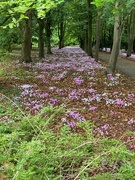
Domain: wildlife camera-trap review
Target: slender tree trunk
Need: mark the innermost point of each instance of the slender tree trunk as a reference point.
(131, 32)
(48, 32)
(98, 30)
(81, 29)
(89, 6)
(86, 39)
(26, 45)
(61, 29)
(104, 43)
(61, 32)
(134, 46)
(110, 38)
(116, 42)
(40, 38)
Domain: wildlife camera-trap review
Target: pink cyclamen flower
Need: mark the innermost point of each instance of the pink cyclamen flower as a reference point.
(92, 108)
(131, 121)
(91, 90)
(115, 93)
(71, 124)
(119, 102)
(110, 76)
(44, 95)
(78, 80)
(112, 113)
(35, 107)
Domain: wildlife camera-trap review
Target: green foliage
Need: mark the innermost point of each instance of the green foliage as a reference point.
(31, 149)
(101, 3)
(3, 56)
(21, 7)
(9, 37)
(10, 92)
(124, 7)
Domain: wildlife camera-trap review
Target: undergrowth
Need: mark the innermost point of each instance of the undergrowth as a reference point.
(31, 150)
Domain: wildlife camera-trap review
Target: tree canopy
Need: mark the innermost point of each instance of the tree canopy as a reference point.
(67, 22)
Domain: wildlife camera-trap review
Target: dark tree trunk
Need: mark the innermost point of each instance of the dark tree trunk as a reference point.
(98, 30)
(89, 7)
(134, 46)
(86, 38)
(82, 36)
(131, 32)
(26, 45)
(61, 31)
(40, 38)
(110, 38)
(48, 32)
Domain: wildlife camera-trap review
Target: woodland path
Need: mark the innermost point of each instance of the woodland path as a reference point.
(124, 65)
(70, 77)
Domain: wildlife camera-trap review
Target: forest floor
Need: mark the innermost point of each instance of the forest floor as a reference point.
(70, 77)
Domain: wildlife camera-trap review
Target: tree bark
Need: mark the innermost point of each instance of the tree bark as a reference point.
(116, 42)
(48, 32)
(61, 29)
(98, 30)
(61, 32)
(40, 38)
(26, 45)
(131, 32)
(86, 39)
(89, 8)
(110, 37)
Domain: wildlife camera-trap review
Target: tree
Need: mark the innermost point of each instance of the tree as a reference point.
(121, 10)
(116, 41)
(61, 25)
(27, 44)
(21, 10)
(89, 9)
(98, 30)
(78, 23)
(41, 24)
(131, 31)
(48, 30)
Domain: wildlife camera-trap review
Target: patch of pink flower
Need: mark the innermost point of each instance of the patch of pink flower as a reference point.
(93, 108)
(119, 102)
(78, 80)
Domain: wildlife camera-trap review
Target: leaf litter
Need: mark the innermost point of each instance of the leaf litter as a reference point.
(72, 78)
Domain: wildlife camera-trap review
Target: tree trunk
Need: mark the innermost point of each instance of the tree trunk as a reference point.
(131, 32)
(40, 38)
(89, 7)
(134, 46)
(98, 30)
(61, 32)
(110, 38)
(86, 39)
(116, 42)
(48, 32)
(26, 45)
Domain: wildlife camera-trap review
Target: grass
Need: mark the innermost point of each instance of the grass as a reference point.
(31, 150)
(41, 146)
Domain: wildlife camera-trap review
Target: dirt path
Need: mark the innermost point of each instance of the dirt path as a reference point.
(125, 65)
